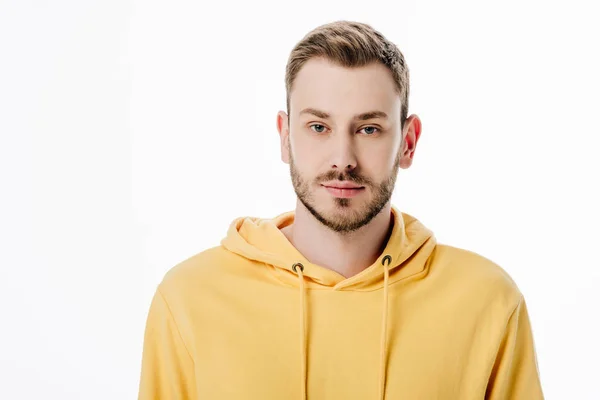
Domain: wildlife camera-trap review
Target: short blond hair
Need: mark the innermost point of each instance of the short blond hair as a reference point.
(349, 44)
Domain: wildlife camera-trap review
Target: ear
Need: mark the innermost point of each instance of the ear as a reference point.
(283, 128)
(411, 134)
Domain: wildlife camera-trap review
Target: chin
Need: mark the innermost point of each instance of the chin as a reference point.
(344, 206)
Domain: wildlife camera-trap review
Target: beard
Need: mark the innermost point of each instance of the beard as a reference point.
(345, 219)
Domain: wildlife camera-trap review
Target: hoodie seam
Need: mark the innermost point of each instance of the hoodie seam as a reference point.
(503, 338)
(172, 318)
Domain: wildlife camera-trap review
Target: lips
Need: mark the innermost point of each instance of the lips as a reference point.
(342, 185)
(343, 189)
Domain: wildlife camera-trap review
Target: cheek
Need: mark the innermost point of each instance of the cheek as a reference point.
(303, 166)
(376, 165)
(308, 161)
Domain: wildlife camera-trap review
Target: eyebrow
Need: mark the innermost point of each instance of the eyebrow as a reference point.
(359, 117)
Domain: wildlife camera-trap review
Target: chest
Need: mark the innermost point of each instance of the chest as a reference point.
(249, 349)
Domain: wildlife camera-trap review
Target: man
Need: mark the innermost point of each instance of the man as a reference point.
(346, 297)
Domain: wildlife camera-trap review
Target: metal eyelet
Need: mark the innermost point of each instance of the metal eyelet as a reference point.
(388, 258)
(298, 265)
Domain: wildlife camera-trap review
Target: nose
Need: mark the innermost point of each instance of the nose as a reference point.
(343, 153)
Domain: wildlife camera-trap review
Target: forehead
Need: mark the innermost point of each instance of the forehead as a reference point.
(343, 91)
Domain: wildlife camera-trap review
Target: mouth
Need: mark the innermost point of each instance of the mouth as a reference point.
(343, 189)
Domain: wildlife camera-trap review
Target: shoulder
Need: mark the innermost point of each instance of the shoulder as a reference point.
(194, 274)
(475, 275)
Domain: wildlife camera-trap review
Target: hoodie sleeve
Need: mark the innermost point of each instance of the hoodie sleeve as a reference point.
(515, 374)
(167, 366)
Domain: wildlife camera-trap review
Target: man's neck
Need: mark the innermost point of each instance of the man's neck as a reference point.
(346, 254)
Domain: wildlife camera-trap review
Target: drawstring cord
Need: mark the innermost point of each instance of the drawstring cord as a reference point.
(298, 268)
(382, 361)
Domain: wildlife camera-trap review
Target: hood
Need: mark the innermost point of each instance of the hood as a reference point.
(405, 256)
(258, 239)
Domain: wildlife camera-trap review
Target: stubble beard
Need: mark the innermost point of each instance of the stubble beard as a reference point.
(344, 219)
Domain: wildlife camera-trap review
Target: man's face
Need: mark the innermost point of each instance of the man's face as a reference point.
(344, 142)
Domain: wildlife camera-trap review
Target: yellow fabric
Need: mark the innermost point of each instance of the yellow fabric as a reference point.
(383, 350)
(254, 319)
(299, 268)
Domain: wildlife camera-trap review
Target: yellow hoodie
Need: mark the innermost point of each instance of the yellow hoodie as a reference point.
(254, 319)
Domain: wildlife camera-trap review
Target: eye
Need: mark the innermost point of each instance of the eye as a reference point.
(318, 128)
(369, 130)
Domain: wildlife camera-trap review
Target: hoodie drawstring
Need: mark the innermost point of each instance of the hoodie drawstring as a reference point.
(383, 350)
(298, 268)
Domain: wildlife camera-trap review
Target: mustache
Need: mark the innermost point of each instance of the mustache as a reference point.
(344, 176)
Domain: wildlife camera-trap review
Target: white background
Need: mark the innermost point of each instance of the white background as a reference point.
(133, 133)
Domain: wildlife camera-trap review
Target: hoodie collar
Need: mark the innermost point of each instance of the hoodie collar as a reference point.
(261, 240)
